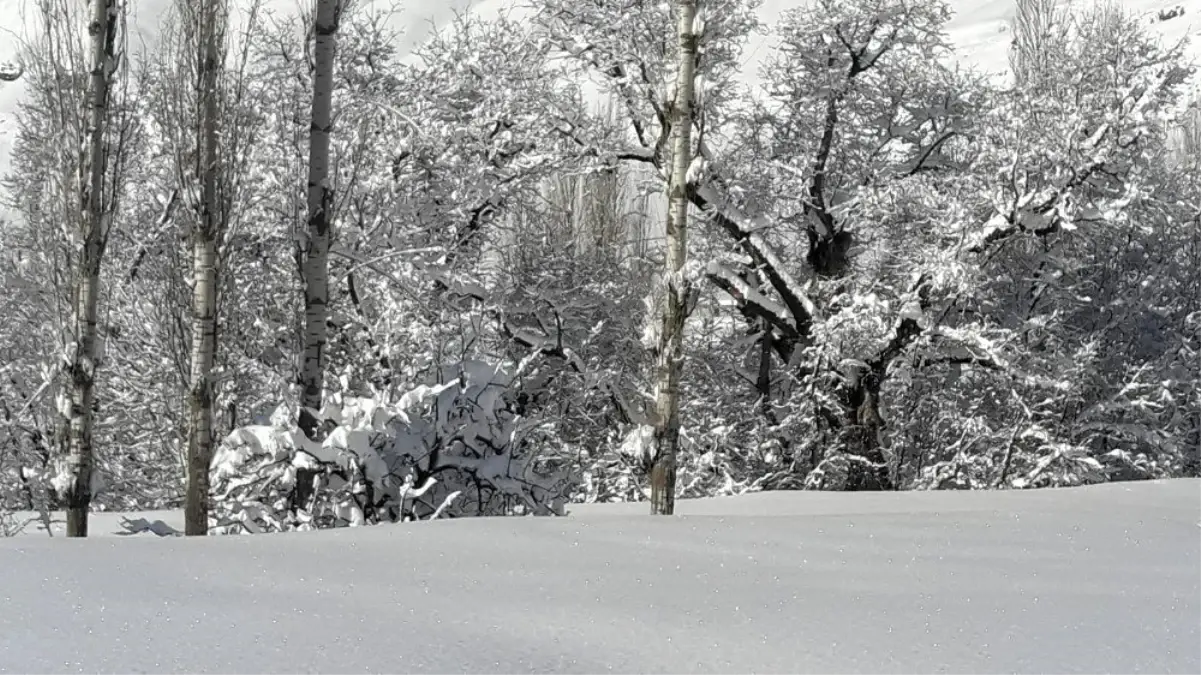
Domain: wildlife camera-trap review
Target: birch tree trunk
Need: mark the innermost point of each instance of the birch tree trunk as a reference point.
(676, 291)
(94, 222)
(315, 268)
(205, 268)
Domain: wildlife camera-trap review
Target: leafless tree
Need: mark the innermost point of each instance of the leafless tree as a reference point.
(199, 102)
(675, 287)
(206, 231)
(315, 267)
(98, 187)
(1038, 31)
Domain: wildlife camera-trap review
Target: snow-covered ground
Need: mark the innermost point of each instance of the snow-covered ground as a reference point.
(1099, 579)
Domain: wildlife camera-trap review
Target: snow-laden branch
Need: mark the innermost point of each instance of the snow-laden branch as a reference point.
(744, 230)
(762, 306)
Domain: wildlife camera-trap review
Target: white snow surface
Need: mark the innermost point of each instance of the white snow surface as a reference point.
(1097, 579)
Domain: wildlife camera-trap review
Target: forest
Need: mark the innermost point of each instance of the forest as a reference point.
(279, 274)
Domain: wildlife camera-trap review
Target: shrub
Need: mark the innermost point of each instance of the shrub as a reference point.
(452, 447)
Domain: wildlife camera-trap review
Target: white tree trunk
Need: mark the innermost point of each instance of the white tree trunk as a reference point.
(94, 228)
(676, 291)
(315, 268)
(205, 269)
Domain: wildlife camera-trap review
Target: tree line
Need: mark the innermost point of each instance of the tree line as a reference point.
(276, 272)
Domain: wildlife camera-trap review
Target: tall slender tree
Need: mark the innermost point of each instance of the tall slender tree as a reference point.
(315, 265)
(675, 285)
(98, 205)
(206, 231)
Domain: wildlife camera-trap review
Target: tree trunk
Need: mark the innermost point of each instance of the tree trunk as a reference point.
(763, 381)
(82, 373)
(315, 268)
(94, 223)
(205, 270)
(675, 287)
(862, 436)
(200, 393)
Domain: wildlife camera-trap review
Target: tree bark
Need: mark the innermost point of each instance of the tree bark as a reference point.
(675, 286)
(205, 270)
(763, 381)
(315, 266)
(94, 223)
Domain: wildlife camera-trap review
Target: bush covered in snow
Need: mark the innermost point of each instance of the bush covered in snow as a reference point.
(454, 447)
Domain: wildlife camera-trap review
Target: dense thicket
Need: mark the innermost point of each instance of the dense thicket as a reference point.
(900, 274)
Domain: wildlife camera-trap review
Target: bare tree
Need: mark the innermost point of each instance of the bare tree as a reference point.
(1039, 33)
(206, 232)
(97, 200)
(196, 96)
(675, 286)
(315, 266)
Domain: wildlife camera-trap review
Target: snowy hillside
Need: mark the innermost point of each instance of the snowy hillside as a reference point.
(981, 28)
(1099, 579)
